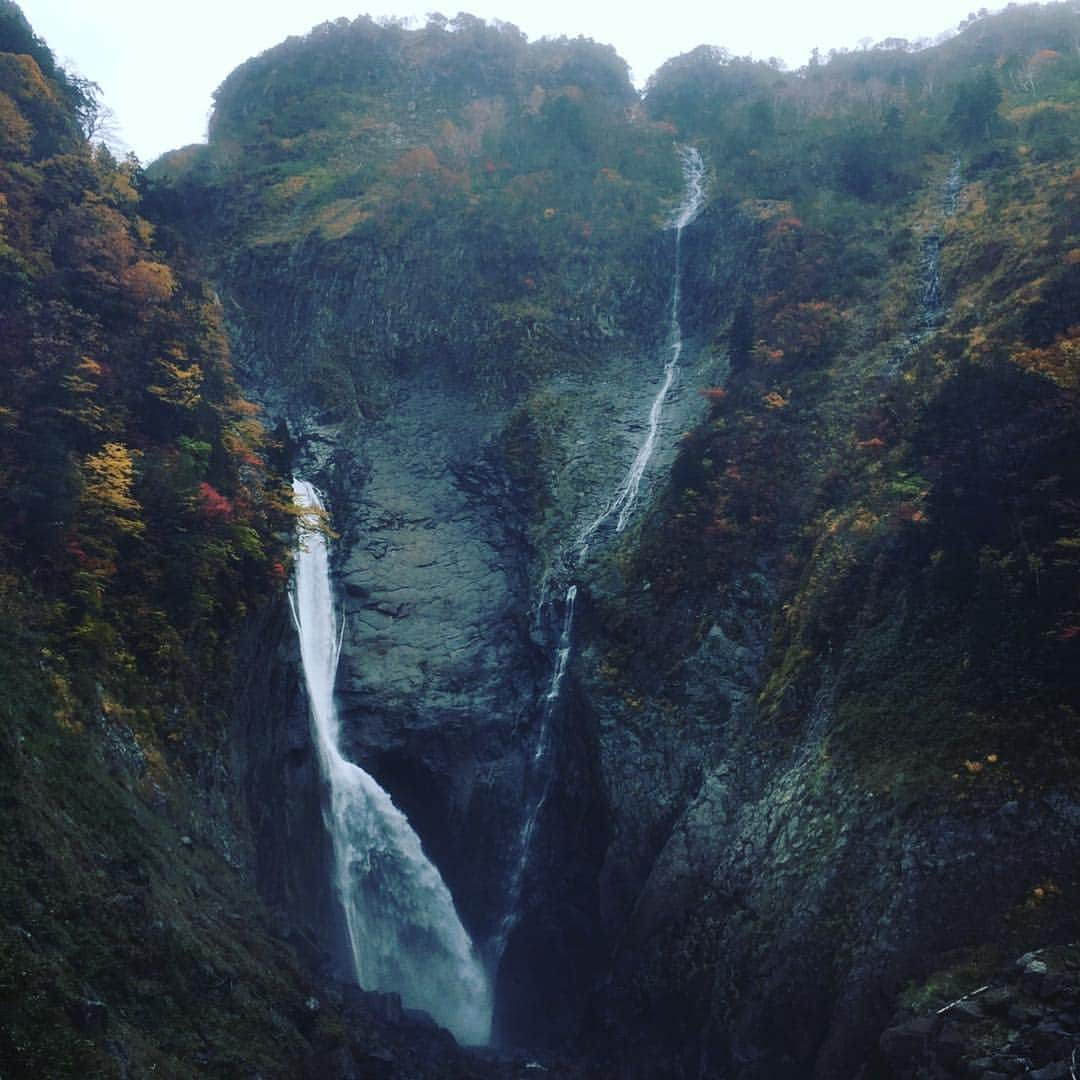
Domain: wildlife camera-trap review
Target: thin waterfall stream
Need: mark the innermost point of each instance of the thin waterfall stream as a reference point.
(623, 500)
(539, 778)
(404, 933)
(931, 310)
(540, 774)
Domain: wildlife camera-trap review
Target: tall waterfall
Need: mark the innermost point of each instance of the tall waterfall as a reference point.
(403, 930)
(540, 774)
(622, 502)
(538, 780)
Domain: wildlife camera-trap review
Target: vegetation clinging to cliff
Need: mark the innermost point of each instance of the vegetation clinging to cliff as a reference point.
(136, 491)
(141, 520)
(524, 174)
(894, 441)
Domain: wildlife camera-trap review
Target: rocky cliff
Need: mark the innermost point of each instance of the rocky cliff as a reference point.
(793, 764)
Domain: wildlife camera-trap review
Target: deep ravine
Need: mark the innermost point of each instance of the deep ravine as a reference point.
(688, 682)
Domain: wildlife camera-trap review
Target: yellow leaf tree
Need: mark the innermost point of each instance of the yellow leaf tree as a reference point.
(108, 478)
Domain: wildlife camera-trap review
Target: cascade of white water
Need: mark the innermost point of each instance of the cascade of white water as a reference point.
(931, 311)
(562, 654)
(541, 774)
(931, 296)
(538, 783)
(403, 930)
(622, 502)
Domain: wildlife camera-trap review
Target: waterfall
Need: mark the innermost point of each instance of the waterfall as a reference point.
(403, 931)
(622, 502)
(540, 774)
(931, 299)
(931, 311)
(562, 655)
(538, 780)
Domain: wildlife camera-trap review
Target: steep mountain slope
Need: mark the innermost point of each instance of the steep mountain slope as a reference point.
(848, 572)
(831, 667)
(863, 568)
(743, 782)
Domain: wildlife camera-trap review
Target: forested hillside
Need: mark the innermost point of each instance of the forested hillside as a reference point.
(458, 153)
(743, 779)
(903, 399)
(890, 463)
(141, 522)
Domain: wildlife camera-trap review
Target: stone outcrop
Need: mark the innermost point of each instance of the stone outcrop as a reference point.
(1023, 1021)
(456, 518)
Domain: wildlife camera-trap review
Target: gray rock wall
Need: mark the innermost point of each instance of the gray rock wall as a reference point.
(459, 502)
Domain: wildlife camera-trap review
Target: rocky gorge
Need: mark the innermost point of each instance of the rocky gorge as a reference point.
(767, 771)
(734, 897)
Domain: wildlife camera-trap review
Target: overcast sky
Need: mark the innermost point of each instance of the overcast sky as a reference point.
(158, 62)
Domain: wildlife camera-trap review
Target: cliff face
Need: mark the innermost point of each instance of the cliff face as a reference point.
(738, 714)
(816, 736)
(458, 506)
(144, 534)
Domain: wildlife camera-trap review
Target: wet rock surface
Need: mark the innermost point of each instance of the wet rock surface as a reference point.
(459, 514)
(1025, 1021)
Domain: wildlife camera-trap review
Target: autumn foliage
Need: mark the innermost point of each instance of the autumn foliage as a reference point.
(132, 475)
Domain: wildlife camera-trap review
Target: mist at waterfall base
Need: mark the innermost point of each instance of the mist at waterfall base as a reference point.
(403, 931)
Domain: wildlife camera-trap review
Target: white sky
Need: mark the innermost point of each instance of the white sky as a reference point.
(158, 62)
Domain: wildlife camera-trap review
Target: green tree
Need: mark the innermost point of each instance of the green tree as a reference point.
(974, 112)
